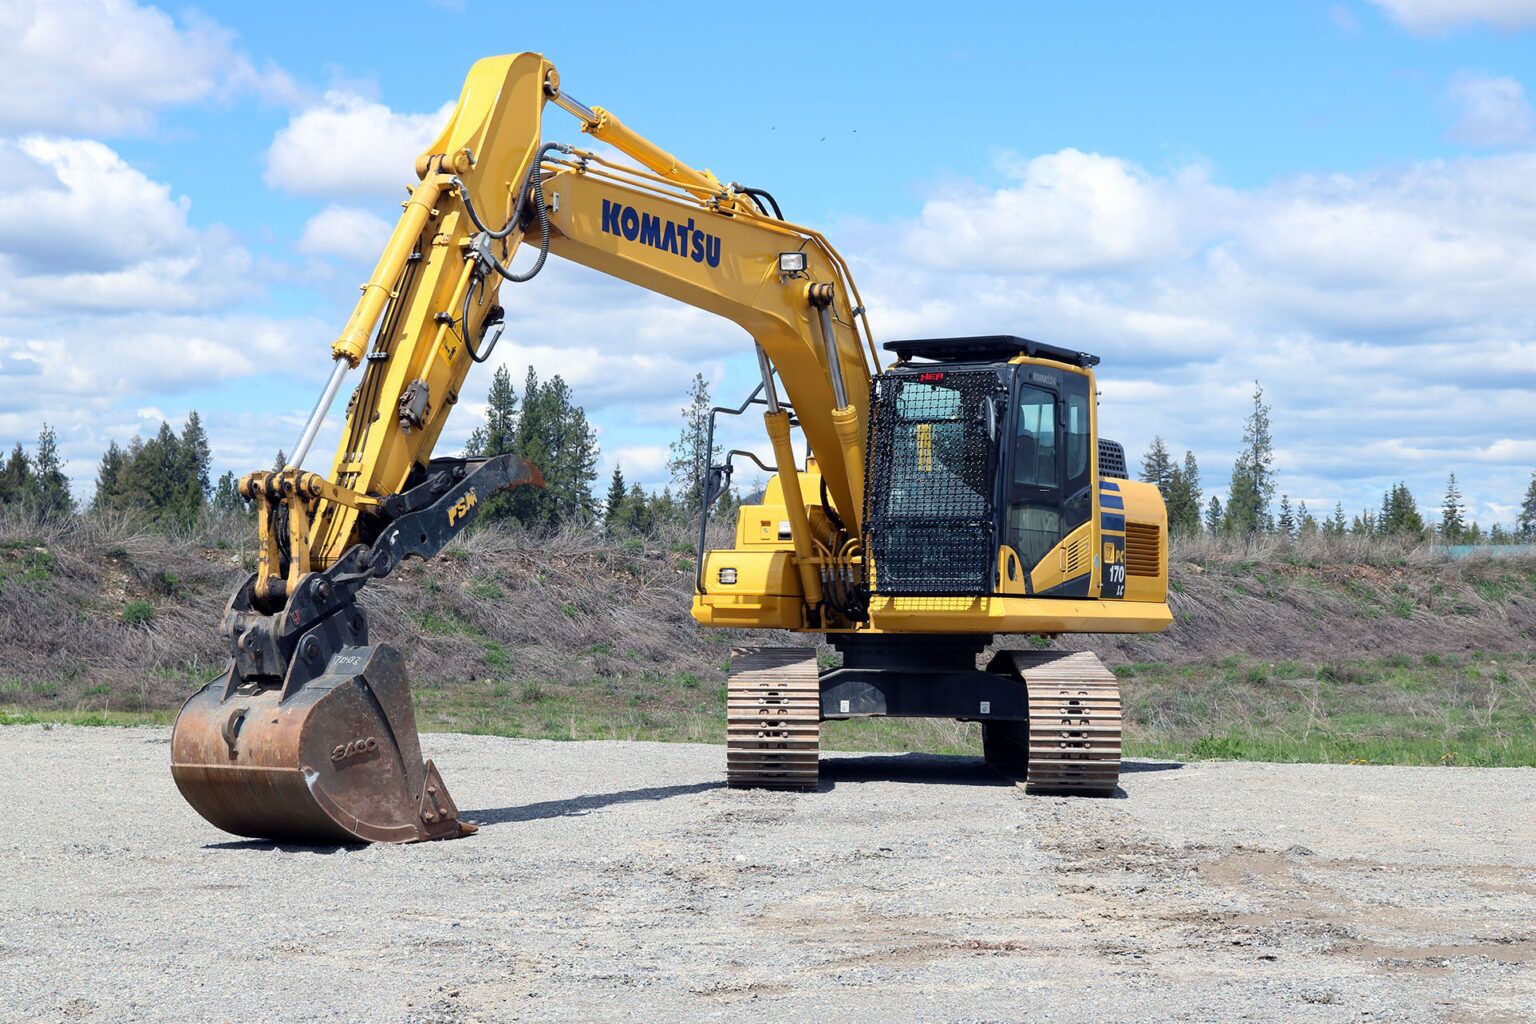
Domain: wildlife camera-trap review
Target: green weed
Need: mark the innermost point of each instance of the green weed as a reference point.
(138, 613)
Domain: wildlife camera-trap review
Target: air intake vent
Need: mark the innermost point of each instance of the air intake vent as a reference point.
(1112, 459)
(1075, 559)
(1143, 554)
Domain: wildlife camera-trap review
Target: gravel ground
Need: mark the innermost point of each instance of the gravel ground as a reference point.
(621, 881)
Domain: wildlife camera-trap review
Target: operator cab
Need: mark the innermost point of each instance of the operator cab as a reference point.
(983, 462)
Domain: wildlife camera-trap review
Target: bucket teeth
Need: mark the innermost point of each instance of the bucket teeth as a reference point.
(336, 760)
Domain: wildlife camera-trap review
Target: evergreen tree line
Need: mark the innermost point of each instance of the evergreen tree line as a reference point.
(548, 429)
(165, 479)
(1250, 509)
(545, 427)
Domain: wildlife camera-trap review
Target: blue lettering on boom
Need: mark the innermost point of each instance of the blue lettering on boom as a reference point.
(681, 239)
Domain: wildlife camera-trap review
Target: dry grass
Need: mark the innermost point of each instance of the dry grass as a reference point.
(575, 635)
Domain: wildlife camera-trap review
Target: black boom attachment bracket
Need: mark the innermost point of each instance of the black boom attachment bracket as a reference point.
(294, 644)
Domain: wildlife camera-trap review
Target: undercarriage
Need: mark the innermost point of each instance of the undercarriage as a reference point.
(1049, 719)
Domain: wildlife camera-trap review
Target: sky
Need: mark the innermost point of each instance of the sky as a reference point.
(1334, 199)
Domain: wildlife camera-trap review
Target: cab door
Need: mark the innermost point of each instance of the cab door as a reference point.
(1048, 483)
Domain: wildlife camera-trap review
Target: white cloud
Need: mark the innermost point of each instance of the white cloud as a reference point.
(1491, 111)
(1063, 211)
(1424, 16)
(111, 299)
(345, 231)
(100, 359)
(80, 205)
(112, 238)
(347, 146)
(106, 66)
(1344, 19)
(1388, 313)
(640, 463)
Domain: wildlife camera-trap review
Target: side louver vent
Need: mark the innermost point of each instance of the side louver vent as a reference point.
(1143, 554)
(1076, 559)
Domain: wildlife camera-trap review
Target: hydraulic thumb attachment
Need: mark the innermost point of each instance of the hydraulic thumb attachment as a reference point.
(310, 735)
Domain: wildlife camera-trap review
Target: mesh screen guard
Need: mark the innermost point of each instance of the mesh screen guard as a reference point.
(930, 522)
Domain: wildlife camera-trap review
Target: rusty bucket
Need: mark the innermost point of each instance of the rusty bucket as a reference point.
(336, 760)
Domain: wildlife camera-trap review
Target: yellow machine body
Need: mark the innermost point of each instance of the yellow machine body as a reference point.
(303, 680)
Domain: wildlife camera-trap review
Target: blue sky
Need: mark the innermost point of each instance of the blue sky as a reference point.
(1338, 199)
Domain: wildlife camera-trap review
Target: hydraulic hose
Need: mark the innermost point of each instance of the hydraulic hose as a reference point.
(758, 196)
(480, 251)
(522, 195)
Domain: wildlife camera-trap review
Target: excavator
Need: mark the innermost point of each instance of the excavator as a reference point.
(959, 494)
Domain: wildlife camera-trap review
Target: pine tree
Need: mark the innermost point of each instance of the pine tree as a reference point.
(1253, 476)
(1190, 498)
(107, 483)
(1287, 524)
(1400, 514)
(613, 504)
(1306, 522)
(574, 448)
(279, 461)
(150, 481)
(1496, 535)
(226, 495)
(663, 508)
(190, 487)
(1214, 516)
(1364, 524)
(498, 434)
(51, 486)
(1525, 525)
(1335, 527)
(692, 454)
(554, 435)
(1157, 466)
(1180, 489)
(16, 477)
(1453, 520)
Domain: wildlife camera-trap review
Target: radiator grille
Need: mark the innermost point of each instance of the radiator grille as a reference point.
(1143, 554)
(929, 516)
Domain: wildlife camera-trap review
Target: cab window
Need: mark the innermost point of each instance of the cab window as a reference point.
(1075, 412)
(1034, 446)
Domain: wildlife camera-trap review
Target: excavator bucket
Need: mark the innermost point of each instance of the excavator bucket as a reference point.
(334, 760)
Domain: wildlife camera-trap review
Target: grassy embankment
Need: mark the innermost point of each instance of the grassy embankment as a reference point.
(1344, 652)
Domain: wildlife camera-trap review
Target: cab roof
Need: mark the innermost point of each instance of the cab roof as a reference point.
(992, 347)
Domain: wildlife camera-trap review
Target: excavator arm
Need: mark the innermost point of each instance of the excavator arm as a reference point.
(310, 732)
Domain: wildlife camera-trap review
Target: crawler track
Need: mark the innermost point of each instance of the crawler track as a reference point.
(773, 719)
(1071, 743)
